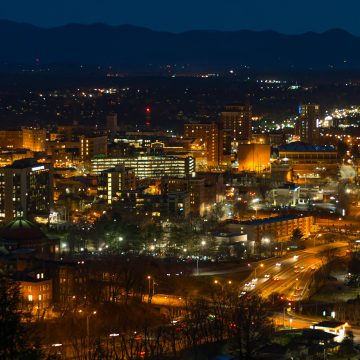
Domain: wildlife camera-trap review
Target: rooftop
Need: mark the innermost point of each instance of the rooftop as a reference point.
(270, 220)
(21, 229)
(299, 146)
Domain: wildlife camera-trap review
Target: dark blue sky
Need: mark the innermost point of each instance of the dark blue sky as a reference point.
(289, 16)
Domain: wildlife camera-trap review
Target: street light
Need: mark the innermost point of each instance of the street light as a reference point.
(261, 265)
(216, 282)
(203, 243)
(88, 315)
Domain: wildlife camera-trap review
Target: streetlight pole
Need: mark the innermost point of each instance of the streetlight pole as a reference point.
(149, 296)
(203, 243)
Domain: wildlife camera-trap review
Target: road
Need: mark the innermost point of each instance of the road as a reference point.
(291, 274)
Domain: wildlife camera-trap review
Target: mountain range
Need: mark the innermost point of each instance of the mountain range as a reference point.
(127, 46)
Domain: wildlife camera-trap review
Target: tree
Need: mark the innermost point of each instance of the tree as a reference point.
(296, 235)
(347, 345)
(16, 341)
(251, 324)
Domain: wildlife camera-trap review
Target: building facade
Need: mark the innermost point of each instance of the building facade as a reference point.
(154, 167)
(26, 189)
(237, 119)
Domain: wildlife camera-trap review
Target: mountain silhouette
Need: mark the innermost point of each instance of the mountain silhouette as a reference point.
(131, 46)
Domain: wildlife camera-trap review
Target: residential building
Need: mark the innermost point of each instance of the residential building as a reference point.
(237, 119)
(307, 123)
(26, 189)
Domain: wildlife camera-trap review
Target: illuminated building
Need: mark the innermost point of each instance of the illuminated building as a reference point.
(26, 189)
(92, 145)
(237, 119)
(148, 166)
(11, 139)
(36, 290)
(285, 195)
(138, 202)
(307, 124)
(212, 136)
(113, 180)
(254, 157)
(34, 139)
(269, 231)
(309, 161)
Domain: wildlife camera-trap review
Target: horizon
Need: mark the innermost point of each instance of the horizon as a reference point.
(177, 32)
(259, 15)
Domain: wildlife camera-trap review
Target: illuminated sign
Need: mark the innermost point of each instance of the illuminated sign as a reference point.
(37, 168)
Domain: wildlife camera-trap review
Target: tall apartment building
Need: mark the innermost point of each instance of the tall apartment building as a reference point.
(212, 135)
(91, 146)
(307, 124)
(34, 139)
(113, 180)
(148, 167)
(26, 189)
(237, 119)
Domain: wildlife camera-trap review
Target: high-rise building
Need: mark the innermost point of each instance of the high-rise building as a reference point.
(26, 189)
(113, 180)
(307, 124)
(91, 146)
(34, 139)
(111, 124)
(237, 119)
(212, 135)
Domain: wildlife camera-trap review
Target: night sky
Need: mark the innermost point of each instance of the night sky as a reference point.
(288, 16)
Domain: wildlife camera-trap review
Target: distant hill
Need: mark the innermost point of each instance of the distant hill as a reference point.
(135, 47)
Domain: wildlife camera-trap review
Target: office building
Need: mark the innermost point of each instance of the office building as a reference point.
(266, 232)
(113, 180)
(91, 146)
(237, 119)
(308, 162)
(146, 167)
(26, 189)
(307, 124)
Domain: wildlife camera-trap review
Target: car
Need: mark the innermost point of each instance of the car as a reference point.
(276, 278)
(313, 268)
(266, 276)
(296, 257)
(278, 264)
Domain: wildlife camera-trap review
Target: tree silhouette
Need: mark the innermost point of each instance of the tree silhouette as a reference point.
(16, 341)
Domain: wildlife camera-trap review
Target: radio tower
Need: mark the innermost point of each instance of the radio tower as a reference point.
(148, 117)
